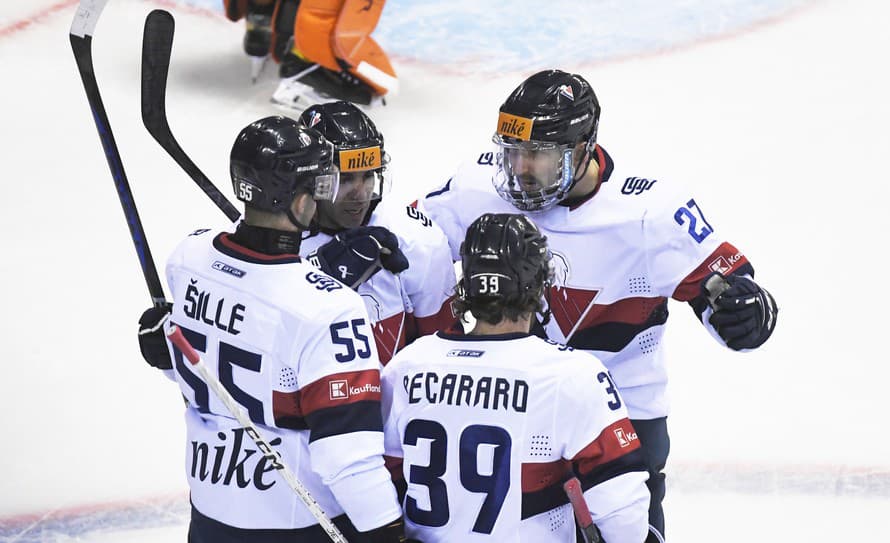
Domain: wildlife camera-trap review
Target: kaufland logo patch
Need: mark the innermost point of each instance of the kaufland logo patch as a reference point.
(339, 389)
(566, 90)
(367, 387)
(720, 265)
(314, 119)
(624, 438)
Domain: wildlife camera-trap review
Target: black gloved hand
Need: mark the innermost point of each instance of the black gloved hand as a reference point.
(744, 313)
(152, 340)
(354, 255)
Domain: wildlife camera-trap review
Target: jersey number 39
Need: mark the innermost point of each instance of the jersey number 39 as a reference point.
(493, 481)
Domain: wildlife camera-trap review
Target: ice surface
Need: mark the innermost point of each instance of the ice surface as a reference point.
(776, 113)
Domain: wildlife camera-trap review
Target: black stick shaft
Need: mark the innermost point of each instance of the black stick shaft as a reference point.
(81, 45)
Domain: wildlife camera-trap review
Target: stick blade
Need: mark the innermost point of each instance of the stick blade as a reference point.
(157, 46)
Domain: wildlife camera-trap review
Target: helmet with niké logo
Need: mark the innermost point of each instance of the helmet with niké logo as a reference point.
(275, 158)
(359, 153)
(546, 133)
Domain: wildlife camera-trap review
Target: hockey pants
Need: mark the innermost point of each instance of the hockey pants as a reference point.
(204, 529)
(656, 443)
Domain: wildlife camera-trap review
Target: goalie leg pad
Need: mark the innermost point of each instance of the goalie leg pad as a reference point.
(313, 28)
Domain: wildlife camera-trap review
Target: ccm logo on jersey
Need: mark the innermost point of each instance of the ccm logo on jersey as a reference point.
(465, 352)
(724, 264)
(223, 267)
(625, 438)
(636, 185)
(340, 389)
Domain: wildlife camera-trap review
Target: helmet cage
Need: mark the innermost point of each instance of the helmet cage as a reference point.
(515, 189)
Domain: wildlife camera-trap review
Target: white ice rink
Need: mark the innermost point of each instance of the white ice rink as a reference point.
(777, 113)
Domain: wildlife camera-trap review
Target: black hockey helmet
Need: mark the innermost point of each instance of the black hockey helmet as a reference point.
(274, 158)
(358, 143)
(547, 116)
(504, 256)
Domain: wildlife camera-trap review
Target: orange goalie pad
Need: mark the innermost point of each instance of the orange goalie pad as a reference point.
(352, 42)
(326, 30)
(313, 29)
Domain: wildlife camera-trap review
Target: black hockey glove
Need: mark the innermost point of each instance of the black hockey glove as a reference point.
(152, 340)
(355, 255)
(744, 313)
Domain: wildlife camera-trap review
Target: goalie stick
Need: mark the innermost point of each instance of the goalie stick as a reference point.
(81, 34)
(157, 45)
(175, 335)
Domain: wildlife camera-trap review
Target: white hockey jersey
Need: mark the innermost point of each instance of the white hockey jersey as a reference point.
(618, 257)
(487, 428)
(417, 301)
(293, 347)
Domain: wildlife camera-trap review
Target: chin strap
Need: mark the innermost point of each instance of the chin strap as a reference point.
(294, 221)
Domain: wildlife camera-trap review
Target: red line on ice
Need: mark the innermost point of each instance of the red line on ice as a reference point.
(28, 20)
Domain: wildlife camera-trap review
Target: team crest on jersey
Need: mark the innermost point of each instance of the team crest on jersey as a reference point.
(569, 306)
(231, 270)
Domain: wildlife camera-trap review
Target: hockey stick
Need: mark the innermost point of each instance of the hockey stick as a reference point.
(272, 455)
(81, 34)
(157, 45)
(582, 513)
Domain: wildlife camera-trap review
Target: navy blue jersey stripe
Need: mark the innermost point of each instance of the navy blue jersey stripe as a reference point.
(627, 463)
(615, 336)
(541, 501)
(443, 190)
(291, 423)
(343, 419)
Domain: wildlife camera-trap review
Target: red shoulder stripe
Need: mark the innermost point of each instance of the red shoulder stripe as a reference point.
(616, 440)
(725, 260)
(340, 389)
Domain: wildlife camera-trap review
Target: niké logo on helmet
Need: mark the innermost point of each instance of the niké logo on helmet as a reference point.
(352, 160)
(514, 127)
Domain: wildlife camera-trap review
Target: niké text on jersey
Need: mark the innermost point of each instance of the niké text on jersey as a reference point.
(456, 389)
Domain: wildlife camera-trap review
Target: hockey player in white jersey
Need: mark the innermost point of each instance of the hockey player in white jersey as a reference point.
(405, 300)
(485, 427)
(292, 345)
(623, 241)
